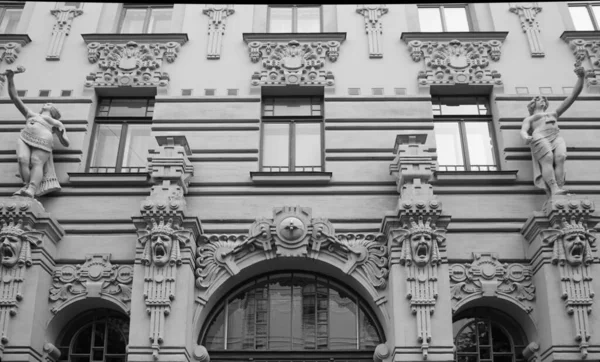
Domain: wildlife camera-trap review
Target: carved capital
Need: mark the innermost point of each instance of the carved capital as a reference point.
(527, 13)
(413, 166)
(218, 15)
(487, 276)
(373, 27)
(169, 167)
(96, 278)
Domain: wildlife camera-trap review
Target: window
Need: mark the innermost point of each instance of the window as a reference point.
(10, 14)
(295, 19)
(292, 134)
(146, 18)
(444, 18)
(101, 336)
(585, 16)
(463, 133)
(122, 135)
(292, 312)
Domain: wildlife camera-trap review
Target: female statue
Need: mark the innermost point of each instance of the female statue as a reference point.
(34, 146)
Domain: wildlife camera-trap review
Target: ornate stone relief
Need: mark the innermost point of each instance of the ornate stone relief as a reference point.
(96, 278)
(487, 276)
(456, 61)
(10, 47)
(586, 49)
(163, 230)
(293, 233)
(293, 62)
(527, 13)
(372, 15)
(24, 224)
(60, 31)
(216, 28)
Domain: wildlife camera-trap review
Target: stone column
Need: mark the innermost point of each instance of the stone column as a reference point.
(560, 245)
(419, 286)
(28, 241)
(62, 28)
(163, 282)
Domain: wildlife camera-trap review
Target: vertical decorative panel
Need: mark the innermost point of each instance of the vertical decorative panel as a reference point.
(372, 14)
(62, 28)
(527, 15)
(216, 28)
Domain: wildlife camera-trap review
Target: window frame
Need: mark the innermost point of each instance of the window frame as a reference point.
(148, 8)
(588, 6)
(11, 5)
(292, 121)
(441, 7)
(124, 122)
(461, 119)
(294, 16)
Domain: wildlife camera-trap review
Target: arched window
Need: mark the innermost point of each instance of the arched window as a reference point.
(99, 336)
(292, 312)
(486, 335)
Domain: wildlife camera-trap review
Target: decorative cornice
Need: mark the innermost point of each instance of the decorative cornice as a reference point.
(21, 39)
(586, 46)
(142, 38)
(286, 37)
(469, 36)
(590, 35)
(303, 178)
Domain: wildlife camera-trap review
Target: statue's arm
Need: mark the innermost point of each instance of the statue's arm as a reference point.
(576, 91)
(525, 129)
(12, 93)
(60, 130)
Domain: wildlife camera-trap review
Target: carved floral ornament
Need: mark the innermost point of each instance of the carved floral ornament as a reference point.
(293, 63)
(292, 233)
(456, 61)
(588, 49)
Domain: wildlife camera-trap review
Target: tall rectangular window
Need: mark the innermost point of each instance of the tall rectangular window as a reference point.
(139, 18)
(585, 16)
(463, 133)
(292, 134)
(10, 14)
(440, 18)
(122, 135)
(295, 19)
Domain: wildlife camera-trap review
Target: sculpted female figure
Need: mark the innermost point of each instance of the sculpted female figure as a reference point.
(549, 151)
(34, 146)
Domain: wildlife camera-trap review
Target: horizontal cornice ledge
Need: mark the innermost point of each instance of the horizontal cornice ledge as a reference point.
(20, 39)
(569, 35)
(474, 177)
(287, 178)
(301, 37)
(109, 179)
(451, 35)
(143, 38)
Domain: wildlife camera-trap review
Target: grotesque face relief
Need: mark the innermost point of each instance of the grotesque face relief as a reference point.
(161, 245)
(10, 249)
(574, 244)
(420, 244)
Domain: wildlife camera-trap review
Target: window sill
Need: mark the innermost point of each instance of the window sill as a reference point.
(279, 37)
(287, 178)
(105, 179)
(474, 177)
(102, 38)
(21, 39)
(451, 35)
(570, 35)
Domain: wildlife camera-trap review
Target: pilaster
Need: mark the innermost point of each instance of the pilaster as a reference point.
(60, 31)
(218, 15)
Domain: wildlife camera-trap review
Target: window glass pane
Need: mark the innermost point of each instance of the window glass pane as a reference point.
(342, 321)
(430, 19)
(73, 4)
(479, 142)
(298, 314)
(160, 21)
(133, 22)
(84, 341)
(449, 148)
(280, 315)
(117, 340)
(128, 108)
(106, 146)
(466, 341)
(581, 18)
(99, 335)
(215, 337)
(276, 144)
(280, 20)
(500, 341)
(456, 19)
(596, 11)
(309, 19)
(309, 310)
(308, 145)
(137, 144)
(292, 106)
(369, 339)
(10, 21)
(240, 323)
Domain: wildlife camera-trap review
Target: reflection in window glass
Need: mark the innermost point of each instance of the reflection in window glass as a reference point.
(137, 144)
(160, 21)
(10, 21)
(106, 147)
(342, 327)
(479, 143)
(103, 340)
(581, 18)
(216, 337)
(276, 138)
(449, 150)
(430, 19)
(127, 108)
(280, 20)
(309, 19)
(292, 106)
(456, 19)
(479, 339)
(133, 21)
(459, 109)
(308, 144)
(368, 331)
(280, 315)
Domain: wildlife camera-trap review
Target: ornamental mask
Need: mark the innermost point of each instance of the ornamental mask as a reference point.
(14, 243)
(420, 242)
(571, 242)
(162, 242)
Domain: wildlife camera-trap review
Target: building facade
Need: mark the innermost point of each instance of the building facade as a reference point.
(219, 182)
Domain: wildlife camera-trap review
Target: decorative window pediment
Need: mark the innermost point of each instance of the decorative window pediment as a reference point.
(131, 60)
(586, 46)
(456, 57)
(293, 58)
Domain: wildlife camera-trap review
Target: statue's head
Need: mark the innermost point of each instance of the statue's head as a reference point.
(420, 242)
(537, 102)
(14, 243)
(50, 108)
(162, 241)
(571, 242)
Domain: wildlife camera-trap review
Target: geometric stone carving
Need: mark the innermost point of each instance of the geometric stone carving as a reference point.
(292, 233)
(457, 62)
(372, 15)
(413, 166)
(171, 163)
(62, 28)
(486, 276)
(96, 278)
(10, 47)
(527, 13)
(587, 48)
(216, 28)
